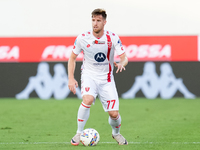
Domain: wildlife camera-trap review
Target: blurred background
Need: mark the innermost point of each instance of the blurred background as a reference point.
(127, 17)
(161, 38)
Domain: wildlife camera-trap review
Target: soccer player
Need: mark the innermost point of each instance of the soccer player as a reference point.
(98, 46)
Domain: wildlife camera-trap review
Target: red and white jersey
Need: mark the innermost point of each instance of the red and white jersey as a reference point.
(98, 61)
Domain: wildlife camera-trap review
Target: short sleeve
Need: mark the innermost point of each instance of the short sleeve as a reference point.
(77, 46)
(118, 45)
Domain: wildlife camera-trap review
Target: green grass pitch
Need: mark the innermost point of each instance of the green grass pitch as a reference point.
(158, 124)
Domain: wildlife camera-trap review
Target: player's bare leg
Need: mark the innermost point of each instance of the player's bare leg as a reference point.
(115, 122)
(83, 115)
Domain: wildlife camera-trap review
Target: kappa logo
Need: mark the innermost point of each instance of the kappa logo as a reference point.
(100, 57)
(87, 89)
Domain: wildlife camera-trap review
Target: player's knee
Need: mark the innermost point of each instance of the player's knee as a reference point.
(113, 114)
(88, 99)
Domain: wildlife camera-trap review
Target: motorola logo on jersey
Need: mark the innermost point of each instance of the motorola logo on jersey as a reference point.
(100, 57)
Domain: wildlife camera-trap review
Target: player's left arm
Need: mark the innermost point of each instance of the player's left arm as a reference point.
(123, 62)
(121, 52)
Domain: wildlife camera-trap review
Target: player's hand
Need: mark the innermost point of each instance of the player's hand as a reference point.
(72, 84)
(119, 67)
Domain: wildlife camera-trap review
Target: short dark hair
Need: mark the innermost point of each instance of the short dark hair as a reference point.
(99, 11)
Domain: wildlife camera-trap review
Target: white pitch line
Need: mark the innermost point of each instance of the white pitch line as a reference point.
(23, 143)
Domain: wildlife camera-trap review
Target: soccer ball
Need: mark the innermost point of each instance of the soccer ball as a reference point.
(89, 137)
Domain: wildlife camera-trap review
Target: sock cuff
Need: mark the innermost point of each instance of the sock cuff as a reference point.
(86, 106)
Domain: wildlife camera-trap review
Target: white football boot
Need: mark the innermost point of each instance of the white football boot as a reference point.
(120, 139)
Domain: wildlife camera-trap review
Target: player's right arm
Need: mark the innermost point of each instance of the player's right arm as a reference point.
(72, 83)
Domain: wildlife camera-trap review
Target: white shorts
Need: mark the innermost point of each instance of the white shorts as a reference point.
(106, 91)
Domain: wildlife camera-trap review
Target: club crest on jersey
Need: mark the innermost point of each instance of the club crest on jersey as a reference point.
(87, 89)
(100, 57)
(98, 42)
